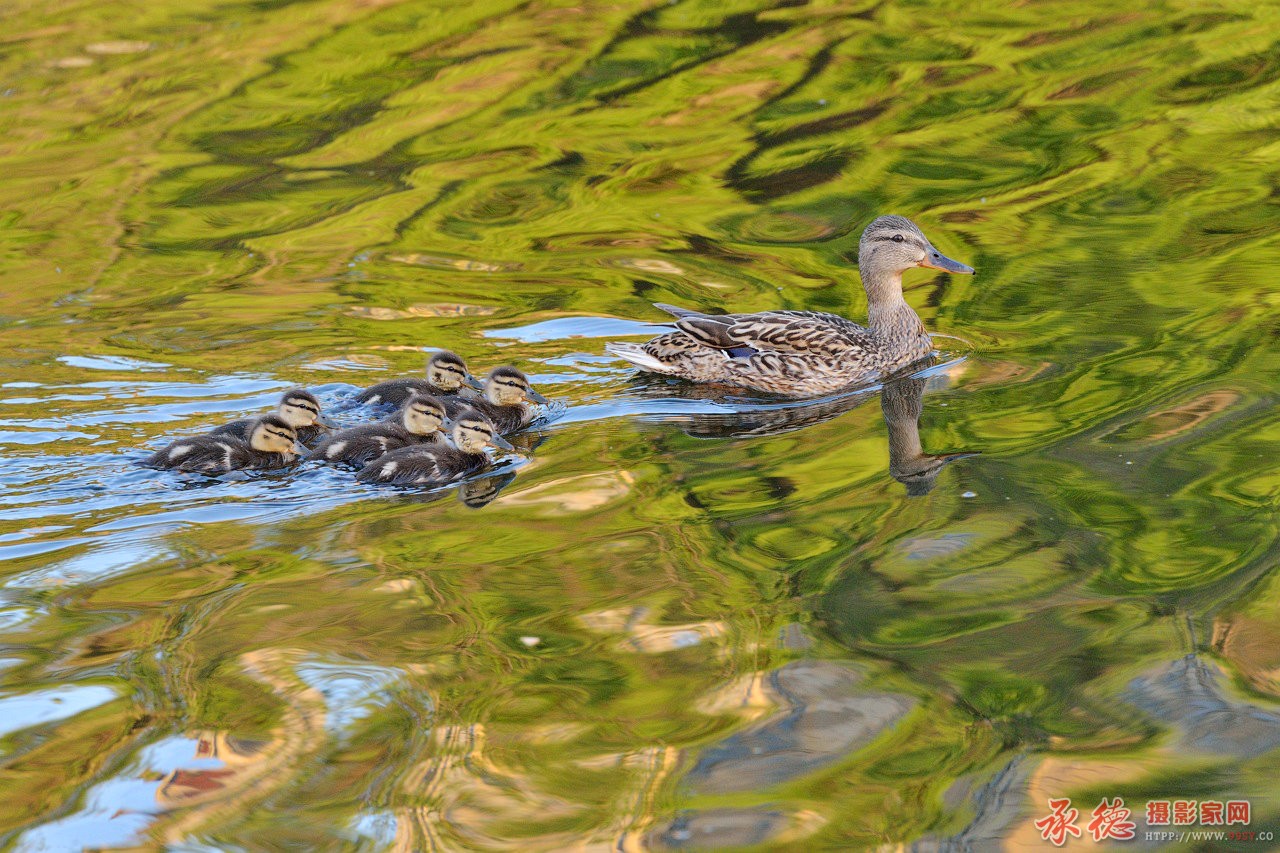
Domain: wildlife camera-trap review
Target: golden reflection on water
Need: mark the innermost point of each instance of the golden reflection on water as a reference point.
(1042, 567)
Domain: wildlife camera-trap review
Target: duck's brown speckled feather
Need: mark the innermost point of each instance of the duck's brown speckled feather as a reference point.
(792, 353)
(783, 332)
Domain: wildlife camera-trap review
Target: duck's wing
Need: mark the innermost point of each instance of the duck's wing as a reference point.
(784, 332)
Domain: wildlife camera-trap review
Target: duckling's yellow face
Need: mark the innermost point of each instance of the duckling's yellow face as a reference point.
(300, 411)
(422, 418)
(473, 435)
(507, 386)
(447, 372)
(504, 392)
(273, 435)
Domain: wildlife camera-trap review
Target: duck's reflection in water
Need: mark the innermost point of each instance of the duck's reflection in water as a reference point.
(481, 492)
(901, 402)
(475, 493)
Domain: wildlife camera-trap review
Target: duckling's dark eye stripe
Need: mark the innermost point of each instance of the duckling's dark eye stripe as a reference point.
(302, 404)
(278, 434)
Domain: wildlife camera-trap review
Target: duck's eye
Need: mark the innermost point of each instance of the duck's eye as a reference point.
(897, 238)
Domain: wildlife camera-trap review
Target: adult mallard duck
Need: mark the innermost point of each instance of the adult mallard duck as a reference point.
(447, 376)
(298, 407)
(805, 353)
(270, 444)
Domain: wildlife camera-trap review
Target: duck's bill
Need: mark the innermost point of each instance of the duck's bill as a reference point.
(472, 382)
(501, 443)
(327, 423)
(935, 260)
(535, 396)
(301, 451)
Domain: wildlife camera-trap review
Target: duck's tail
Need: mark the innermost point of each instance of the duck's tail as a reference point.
(635, 354)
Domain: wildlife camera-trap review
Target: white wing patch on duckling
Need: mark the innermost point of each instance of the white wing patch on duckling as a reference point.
(387, 470)
(335, 450)
(180, 450)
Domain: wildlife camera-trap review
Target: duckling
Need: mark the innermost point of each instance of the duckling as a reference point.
(806, 353)
(271, 444)
(438, 464)
(299, 408)
(507, 395)
(421, 421)
(447, 376)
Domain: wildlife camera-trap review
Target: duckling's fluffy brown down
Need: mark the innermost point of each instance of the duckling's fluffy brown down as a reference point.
(215, 454)
(361, 445)
(423, 465)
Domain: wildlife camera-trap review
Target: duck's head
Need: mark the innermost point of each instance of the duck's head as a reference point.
(472, 433)
(448, 372)
(894, 244)
(300, 408)
(506, 386)
(423, 415)
(920, 473)
(273, 434)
